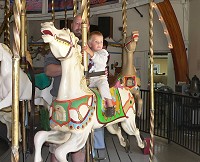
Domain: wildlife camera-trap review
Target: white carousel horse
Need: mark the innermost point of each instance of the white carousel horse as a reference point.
(42, 97)
(25, 85)
(77, 110)
(6, 118)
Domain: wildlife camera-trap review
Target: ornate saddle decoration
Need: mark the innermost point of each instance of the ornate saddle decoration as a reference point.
(68, 112)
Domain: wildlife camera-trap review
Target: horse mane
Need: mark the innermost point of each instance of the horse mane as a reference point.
(78, 54)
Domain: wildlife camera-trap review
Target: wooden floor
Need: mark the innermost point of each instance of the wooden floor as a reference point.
(164, 152)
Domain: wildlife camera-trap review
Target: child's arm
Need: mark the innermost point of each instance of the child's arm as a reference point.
(88, 50)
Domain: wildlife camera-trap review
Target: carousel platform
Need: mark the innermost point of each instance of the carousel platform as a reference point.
(114, 152)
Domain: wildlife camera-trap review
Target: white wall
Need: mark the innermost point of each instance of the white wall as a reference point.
(194, 37)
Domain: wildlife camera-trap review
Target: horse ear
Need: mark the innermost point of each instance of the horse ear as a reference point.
(68, 30)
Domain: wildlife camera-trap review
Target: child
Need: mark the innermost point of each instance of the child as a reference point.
(99, 57)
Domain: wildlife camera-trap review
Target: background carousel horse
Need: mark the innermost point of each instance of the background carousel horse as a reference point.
(77, 110)
(42, 95)
(129, 71)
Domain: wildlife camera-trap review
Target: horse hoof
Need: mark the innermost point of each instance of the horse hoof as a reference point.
(145, 143)
(127, 147)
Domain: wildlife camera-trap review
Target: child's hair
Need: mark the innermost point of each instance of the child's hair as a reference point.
(94, 33)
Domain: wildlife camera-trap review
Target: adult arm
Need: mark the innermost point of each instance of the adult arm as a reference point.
(53, 70)
(52, 66)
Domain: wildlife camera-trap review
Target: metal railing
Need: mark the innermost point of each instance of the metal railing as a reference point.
(177, 118)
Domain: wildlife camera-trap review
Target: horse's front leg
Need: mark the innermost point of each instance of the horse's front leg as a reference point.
(39, 139)
(8, 125)
(74, 144)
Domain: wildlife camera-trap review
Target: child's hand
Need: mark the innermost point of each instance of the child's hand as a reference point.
(88, 50)
(84, 48)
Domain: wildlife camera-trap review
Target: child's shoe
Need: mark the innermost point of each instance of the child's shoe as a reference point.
(110, 111)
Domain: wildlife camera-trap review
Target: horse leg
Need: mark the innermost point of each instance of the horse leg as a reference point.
(39, 139)
(130, 128)
(115, 129)
(74, 144)
(6, 119)
(8, 126)
(136, 94)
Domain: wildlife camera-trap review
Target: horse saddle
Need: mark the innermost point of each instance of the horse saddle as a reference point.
(100, 106)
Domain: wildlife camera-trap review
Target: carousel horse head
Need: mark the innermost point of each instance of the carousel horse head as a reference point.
(61, 42)
(130, 43)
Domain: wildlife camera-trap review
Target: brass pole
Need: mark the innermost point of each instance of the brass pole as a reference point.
(15, 82)
(65, 13)
(15, 110)
(53, 11)
(124, 27)
(88, 9)
(22, 49)
(152, 80)
(84, 14)
(75, 8)
(7, 25)
(23, 66)
(3, 24)
(23, 128)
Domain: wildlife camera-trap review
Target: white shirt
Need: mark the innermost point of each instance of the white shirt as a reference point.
(99, 59)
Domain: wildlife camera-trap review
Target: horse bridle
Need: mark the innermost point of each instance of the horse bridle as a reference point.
(66, 42)
(125, 44)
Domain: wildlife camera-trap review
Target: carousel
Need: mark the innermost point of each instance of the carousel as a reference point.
(78, 110)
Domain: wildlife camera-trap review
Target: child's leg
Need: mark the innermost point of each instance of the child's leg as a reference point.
(104, 90)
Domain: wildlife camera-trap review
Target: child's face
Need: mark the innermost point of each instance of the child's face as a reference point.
(96, 43)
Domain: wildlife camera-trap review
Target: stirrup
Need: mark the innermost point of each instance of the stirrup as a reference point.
(110, 111)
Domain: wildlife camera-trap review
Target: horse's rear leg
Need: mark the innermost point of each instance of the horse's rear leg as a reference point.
(130, 128)
(115, 129)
